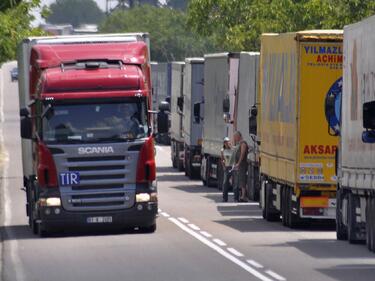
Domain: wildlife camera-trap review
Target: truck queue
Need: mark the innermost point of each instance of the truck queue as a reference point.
(305, 105)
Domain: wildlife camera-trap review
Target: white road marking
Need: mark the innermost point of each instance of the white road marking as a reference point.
(183, 220)
(275, 275)
(206, 234)
(235, 252)
(165, 214)
(255, 264)
(222, 252)
(193, 226)
(219, 242)
(159, 210)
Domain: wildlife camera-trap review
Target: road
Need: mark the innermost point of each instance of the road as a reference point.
(198, 237)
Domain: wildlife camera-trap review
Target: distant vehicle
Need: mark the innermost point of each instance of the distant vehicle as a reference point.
(14, 74)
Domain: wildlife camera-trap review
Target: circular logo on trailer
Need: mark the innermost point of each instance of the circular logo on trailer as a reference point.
(333, 106)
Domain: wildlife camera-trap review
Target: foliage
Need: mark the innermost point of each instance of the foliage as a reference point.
(15, 25)
(75, 12)
(170, 38)
(6, 4)
(237, 25)
(177, 4)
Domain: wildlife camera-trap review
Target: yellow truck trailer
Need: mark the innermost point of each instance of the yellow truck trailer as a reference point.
(299, 72)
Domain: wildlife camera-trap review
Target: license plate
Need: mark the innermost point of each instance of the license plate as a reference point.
(99, 220)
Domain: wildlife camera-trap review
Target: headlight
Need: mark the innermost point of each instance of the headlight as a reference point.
(50, 202)
(142, 197)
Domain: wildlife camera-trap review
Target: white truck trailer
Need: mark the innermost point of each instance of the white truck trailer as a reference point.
(220, 88)
(161, 73)
(193, 115)
(248, 88)
(177, 106)
(356, 157)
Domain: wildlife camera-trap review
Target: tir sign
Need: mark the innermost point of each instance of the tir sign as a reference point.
(69, 178)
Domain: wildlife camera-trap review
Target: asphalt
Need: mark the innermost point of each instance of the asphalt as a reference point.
(198, 237)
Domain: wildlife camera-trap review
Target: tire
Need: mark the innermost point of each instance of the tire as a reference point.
(187, 164)
(341, 230)
(220, 177)
(269, 213)
(284, 206)
(252, 183)
(352, 237)
(210, 181)
(148, 229)
(204, 175)
(294, 220)
(42, 231)
(369, 226)
(372, 224)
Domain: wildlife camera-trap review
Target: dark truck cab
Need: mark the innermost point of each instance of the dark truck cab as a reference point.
(92, 144)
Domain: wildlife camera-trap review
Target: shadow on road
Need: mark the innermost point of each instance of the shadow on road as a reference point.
(329, 249)
(23, 232)
(350, 272)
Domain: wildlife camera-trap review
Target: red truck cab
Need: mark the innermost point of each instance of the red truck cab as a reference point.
(92, 145)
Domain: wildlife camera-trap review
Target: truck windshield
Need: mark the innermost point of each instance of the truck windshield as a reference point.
(97, 122)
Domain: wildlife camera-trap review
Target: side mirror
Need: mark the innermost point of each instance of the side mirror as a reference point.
(24, 112)
(368, 136)
(253, 112)
(162, 122)
(197, 113)
(164, 106)
(369, 115)
(226, 105)
(180, 103)
(26, 128)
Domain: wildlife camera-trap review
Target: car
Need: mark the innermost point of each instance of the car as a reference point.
(14, 74)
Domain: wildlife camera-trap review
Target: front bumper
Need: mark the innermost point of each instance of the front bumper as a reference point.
(140, 215)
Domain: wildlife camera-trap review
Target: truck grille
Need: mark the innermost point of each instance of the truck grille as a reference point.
(99, 199)
(105, 182)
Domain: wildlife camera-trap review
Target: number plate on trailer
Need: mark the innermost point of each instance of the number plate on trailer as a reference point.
(99, 220)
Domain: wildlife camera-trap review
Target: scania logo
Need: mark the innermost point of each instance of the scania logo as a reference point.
(95, 150)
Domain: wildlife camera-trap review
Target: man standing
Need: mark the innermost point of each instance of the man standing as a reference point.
(240, 166)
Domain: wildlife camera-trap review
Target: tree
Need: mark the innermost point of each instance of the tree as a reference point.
(170, 38)
(177, 4)
(75, 12)
(15, 22)
(237, 25)
(6, 4)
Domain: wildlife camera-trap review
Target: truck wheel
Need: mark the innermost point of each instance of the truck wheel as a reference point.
(284, 206)
(341, 231)
(42, 230)
(352, 234)
(293, 219)
(187, 164)
(369, 228)
(220, 177)
(269, 213)
(203, 171)
(252, 184)
(372, 224)
(208, 168)
(149, 229)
